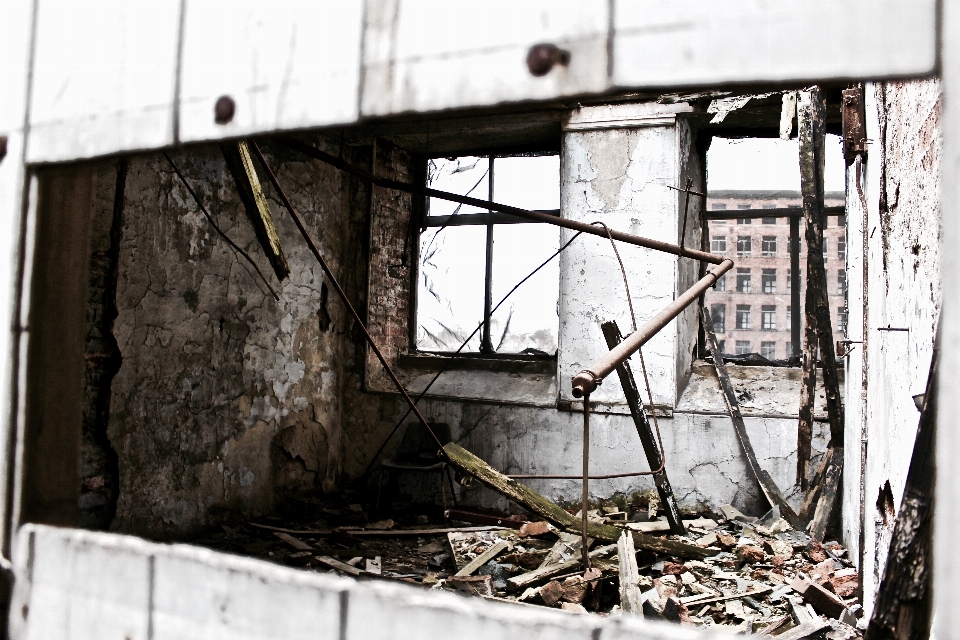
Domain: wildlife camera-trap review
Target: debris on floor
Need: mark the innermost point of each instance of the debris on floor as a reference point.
(764, 577)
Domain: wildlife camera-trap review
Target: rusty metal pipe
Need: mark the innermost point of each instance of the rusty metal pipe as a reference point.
(587, 380)
(536, 216)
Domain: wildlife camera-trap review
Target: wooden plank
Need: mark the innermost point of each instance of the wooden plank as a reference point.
(343, 567)
(770, 490)
(483, 558)
(670, 43)
(299, 545)
(663, 525)
(698, 600)
(240, 164)
(904, 601)
(631, 601)
(611, 332)
(530, 499)
(543, 573)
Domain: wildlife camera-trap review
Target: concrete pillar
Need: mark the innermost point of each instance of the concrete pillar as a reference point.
(618, 164)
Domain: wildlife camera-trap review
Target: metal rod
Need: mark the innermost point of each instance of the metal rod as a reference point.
(583, 227)
(481, 219)
(584, 547)
(340, 291)
(588, 379)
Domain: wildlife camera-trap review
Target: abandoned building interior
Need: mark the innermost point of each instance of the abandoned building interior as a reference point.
(539, 352)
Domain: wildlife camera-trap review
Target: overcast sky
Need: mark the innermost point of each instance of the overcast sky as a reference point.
(767, 163)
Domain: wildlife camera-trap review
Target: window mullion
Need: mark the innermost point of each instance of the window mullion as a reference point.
(486, 345)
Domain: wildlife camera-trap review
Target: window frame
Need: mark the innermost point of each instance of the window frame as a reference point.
(426, 221)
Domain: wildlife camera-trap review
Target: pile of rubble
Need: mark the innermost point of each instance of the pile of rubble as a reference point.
(754, 575)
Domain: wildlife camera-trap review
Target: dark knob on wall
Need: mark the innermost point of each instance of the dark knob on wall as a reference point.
(224, 109)
(543, 57)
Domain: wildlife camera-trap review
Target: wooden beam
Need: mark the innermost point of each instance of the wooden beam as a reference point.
(611, 332)
(631, 601)
(812, 135)
(240, 164)
(770, 489)
(530, 499)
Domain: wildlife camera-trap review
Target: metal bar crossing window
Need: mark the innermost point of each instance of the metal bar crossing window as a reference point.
(470, 258)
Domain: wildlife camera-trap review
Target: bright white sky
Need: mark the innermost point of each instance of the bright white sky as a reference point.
(767, 163)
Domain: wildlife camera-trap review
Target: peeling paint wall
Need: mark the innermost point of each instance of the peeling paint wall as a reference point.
(901, 185)
(226, 399)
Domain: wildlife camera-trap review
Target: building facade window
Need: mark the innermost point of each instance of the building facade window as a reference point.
(768, 220)
(768, 317)
(718, 207)
(743, 347)
(722, 344)
(842, 282)
(768, 280)
(842, 320)
(768, 350)
(743, 279)
(789, 323)
(718, 244)
(718, 313)
(721, 283)
(768, 247)
(826, 249)
(743, 316)
(842, 248)
(744, 245)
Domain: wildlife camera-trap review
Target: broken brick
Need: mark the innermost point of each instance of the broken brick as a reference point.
(551, 593)
(750, 554)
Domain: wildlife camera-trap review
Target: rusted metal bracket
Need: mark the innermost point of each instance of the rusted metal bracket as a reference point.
(611, 332)
(770, 489)
(854, 123)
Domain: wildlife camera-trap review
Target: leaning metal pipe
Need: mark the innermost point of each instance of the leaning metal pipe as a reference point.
(536, 216)
(587, 380)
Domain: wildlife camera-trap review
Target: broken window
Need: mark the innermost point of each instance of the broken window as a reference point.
(718, 244)
(718, 313)
(768, 247)
(768, 317)
(471, 258)
(743, 316)
(743, 246)
(743, 280)
(768, 350)
(743, 347)
(768, 279)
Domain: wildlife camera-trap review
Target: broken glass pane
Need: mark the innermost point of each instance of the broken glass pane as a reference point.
(450, 287)
(527, 321)
(466, 176)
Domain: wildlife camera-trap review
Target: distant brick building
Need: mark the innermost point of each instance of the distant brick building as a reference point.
(751, 304)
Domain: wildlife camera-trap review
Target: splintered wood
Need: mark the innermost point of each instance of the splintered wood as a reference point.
(530, 499)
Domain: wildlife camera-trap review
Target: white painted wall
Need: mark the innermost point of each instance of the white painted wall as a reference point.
(82, 585)
(900, 182)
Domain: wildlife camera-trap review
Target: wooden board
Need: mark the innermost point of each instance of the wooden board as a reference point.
(527, 497)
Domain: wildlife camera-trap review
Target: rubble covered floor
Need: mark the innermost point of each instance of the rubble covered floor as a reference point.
(764, 578)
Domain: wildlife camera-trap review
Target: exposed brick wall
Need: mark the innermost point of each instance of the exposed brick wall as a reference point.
(391, 257)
